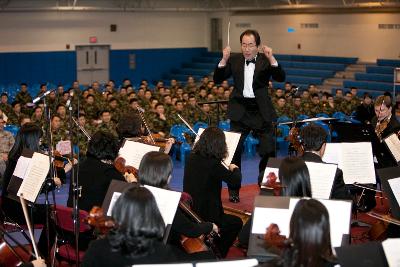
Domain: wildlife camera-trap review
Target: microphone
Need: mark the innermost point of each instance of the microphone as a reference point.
(37, 99)
(71, 95)
(294, 91)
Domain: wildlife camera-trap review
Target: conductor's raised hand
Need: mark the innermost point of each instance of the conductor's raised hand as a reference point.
(268, 53)
(226, 53)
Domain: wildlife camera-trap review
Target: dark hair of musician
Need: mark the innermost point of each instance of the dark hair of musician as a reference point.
(155, 169)
(251, 32)
(383, 99)
(129, 125)
(211, 144)
(139, 223)
(313, 137)
(294, 177)
(27, 137)
(310, 234)
(103, 146)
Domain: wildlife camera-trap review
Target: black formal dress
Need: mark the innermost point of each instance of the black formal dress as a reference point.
(100, 254)
(339, 190)
(203, 181)
(94, 176)
(251, 114)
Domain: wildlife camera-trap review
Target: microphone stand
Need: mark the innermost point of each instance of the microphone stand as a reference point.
(75, 188)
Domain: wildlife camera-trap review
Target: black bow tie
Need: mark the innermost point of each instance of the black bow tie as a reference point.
(251, 61)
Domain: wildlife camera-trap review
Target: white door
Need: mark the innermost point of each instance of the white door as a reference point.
(92, 63)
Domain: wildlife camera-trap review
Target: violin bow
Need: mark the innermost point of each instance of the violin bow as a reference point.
(145, 124)
(28, 223)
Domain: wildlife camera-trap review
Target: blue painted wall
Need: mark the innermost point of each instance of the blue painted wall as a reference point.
(60, 67)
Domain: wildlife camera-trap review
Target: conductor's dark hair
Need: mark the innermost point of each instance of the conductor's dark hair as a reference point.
(103, 146)
(155, 169)
(27, 137)
(310, 234)
(139, 223)
(294, 177)
(251, 32)
(211, 144)
(313, 137)
(129, 125)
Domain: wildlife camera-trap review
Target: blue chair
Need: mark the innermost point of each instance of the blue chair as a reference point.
(184, 149)
(178, 131)
(250, 145)
(12, 129)
(199, 125)
(283, 119)
(224, 125)
(340, 116)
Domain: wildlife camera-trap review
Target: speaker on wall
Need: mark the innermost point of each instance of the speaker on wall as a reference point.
(113, 27)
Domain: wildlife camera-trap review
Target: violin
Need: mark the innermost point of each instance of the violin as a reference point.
(273, 185)
(99, 221)
(294, 139)
(198, 244)
(273, 237)
(381, 126)
(126, 170)
(10, 257)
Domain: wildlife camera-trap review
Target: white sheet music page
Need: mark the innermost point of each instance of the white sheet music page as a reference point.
(263, 217)
(332, 152)
(391, 248)
(339, 218)
(231, 263)
(393, 143)
(321, 178)
(395, 186)
(21, 167)
(34, 177)
(357, 163)
(133, 152)
(232, 141)
(114, 199)
(167, 202)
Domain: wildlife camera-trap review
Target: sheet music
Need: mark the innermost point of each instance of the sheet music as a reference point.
(267, 171)
(339, 218)
(356, 162)
(391, 249)
(232, 141)
(167, 202)
(21, 167)
(231, 263)
(263, 217)
(321, 178)
(395, 186)
(332, 152)
(64, 147)
(133, 152)
(34, 177)
(114, 199)
(393, 144)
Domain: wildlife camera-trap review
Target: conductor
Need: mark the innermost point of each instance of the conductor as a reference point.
(250, 108)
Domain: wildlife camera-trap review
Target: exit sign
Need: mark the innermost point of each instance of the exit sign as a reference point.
(93, 39)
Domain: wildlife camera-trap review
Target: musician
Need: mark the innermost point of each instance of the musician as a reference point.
(295, 182)
(97, 170)
(384, 123)
(156, 170)
(313, 139)
(309, 238)
(250, 107)
(137, 239)
(203, 176)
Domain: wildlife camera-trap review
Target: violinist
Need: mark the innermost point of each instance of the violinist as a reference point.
(203, 178)
(137, 237)
(97, 170)
(156, 170)
(295, 182)
(309, 242)
(384, 124)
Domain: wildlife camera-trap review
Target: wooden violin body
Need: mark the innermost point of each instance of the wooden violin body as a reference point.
(294, 139)
(99, 221)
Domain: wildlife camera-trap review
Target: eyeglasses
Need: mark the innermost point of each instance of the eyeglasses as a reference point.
(249, 46)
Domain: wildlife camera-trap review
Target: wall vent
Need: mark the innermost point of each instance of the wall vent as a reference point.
(309, 25)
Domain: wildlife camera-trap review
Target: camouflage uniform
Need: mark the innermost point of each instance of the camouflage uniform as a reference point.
(108, 127)
(23, 98)
(315, 109)
(6, 108)
(156, 124)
